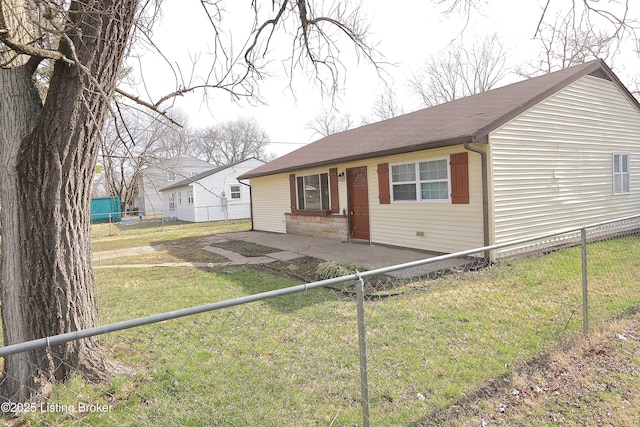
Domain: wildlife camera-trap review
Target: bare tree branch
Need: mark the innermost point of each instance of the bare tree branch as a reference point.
(152, 107)
(460, 71)
(317, 39)
(329, 122)
(231, 142)
(569, 41)
(386, 105)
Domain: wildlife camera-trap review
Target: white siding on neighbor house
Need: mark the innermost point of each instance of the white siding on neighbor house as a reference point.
(446, 227)
(207, 193)
(551, 167)
(270, 199)
(183, 210)
(149, 199)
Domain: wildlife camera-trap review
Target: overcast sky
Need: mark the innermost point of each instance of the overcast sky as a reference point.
(406, 33)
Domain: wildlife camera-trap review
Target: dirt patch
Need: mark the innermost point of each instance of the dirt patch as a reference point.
(582, 381)
(300, 268)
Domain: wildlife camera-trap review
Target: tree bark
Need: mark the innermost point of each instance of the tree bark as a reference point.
(48, 165)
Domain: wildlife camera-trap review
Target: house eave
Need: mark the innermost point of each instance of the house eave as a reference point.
(179, 185)
(366, 156)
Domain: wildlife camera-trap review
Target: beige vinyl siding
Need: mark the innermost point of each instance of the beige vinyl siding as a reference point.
(551, 167)
(445, 227)
(270, 200)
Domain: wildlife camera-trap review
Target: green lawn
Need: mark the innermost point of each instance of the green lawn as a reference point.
(106, 237)
(294, 360)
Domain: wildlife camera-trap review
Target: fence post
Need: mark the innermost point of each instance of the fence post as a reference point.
(110, 231)
(585, 287)
(362, 338)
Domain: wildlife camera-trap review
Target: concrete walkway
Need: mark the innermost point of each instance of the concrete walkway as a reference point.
(362, 254)
(369, 257)
(233, 257)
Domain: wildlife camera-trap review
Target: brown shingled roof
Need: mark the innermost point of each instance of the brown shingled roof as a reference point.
(467, 119)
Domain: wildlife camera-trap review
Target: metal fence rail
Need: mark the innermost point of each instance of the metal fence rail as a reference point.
(365, 348)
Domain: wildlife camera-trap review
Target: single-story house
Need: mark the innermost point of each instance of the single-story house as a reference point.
(162, 174)
(213, 195)
(543, 154)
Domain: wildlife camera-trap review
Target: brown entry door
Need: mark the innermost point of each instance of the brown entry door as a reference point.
(358, 203)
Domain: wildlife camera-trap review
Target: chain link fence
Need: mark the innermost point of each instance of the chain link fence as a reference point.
(116, 223)
(418, 344)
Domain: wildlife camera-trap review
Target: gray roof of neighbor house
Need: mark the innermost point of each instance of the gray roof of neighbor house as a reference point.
(466, 119)
(201, 175)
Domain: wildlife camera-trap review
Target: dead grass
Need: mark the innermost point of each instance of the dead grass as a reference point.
(244, 248)
(581, 381)
(499, 346)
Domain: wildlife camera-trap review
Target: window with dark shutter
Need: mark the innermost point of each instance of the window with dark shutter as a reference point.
(333, 190)
(459, 178)
(309, 192)
(384, 195)
(292, 192)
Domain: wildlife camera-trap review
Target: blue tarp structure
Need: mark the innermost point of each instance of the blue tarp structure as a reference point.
(105, 209)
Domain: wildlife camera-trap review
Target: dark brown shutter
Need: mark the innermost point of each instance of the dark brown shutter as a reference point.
(292, 192)
(459, 178)
(383, 184)
(333, 190)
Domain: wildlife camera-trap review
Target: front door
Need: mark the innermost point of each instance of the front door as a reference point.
(358, 195)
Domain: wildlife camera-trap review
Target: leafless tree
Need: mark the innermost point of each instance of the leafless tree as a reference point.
(49, 145)
(460, 71)
(133, 140)
(587, 29)
(611, 16)
(634, 86)
(328, 122)
(386, 106)
(231, 142)
(569, 41)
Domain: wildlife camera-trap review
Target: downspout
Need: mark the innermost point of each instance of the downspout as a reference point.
(485, 194)
(250, 202)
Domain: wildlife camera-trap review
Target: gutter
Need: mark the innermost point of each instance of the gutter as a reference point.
(363, 156)
(485, 192)
(250, 202)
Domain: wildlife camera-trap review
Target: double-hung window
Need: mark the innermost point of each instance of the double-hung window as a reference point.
(621, 173)
(172, 201)
(422, 180)
(313, 192)
(235, 192)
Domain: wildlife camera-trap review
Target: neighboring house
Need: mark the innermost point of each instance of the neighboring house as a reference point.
(546, 153)
(163, 174)
(213, 195)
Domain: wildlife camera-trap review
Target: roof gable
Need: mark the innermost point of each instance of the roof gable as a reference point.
(198, 177)
(466, 119)
(176, 164)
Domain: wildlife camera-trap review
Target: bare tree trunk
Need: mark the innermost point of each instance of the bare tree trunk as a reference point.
(20, 104)
(47, 170)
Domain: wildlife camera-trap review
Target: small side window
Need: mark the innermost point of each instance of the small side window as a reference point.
(621, 173)
(235, 192)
